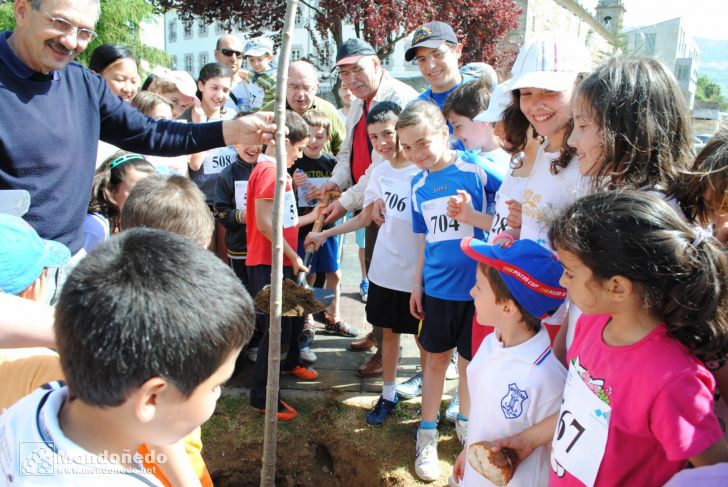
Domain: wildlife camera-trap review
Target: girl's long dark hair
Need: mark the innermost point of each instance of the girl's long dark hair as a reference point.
(682, 275)
(644, 123)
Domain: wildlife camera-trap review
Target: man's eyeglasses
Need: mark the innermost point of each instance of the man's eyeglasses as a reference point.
(66, 28)
(230, 52)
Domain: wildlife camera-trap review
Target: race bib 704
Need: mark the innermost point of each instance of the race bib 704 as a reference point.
(441, 227)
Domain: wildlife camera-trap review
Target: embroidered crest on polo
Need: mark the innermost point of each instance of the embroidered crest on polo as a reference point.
(512, 402)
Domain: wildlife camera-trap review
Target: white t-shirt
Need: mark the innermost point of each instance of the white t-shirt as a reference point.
(547, 194)
(35, 452)
(397, 247)
(512, 188)
(512, 389)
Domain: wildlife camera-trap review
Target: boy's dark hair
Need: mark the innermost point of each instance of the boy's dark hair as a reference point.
(644, 123)
(317, 118)
(502, 294)
(384, 111)
(138, 307)
(468, 100)
(709, 171)
(172, 203)
(297, 127)
(682, 276)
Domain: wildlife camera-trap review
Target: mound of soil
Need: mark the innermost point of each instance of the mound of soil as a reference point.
(297, 301)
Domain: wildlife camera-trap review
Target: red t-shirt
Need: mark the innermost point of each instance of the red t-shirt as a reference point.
(361, 152)
(261, 185)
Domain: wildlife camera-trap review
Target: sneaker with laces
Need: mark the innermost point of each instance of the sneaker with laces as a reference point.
(341, 328)
(412, 387)
(461, 429)
(381, 410)
(307, 355)
(451, 413)
(303, 373)
(427, 464)
(364, 290)
(452, 371)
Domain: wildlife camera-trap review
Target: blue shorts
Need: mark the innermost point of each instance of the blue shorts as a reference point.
(327, 257)
(359, 234)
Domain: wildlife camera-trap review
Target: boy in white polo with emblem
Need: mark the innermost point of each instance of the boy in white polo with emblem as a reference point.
(514, 380)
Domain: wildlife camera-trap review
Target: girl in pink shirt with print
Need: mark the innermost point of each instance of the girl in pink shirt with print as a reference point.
(637, 404)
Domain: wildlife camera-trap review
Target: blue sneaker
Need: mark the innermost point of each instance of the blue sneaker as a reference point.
(364, 290)
(381, 410)
(411, 388)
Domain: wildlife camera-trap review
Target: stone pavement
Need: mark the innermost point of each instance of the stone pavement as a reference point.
(336, 365)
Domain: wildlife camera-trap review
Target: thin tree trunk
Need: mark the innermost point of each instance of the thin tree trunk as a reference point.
(268, 472)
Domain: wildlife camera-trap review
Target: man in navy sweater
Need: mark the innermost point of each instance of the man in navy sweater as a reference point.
(54, 111)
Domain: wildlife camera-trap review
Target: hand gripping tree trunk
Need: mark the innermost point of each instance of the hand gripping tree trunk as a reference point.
(267, 474)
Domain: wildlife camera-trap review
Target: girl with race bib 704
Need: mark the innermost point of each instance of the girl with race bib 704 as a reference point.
(444, 275)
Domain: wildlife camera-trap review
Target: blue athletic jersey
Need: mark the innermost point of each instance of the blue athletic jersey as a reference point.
(449, 274)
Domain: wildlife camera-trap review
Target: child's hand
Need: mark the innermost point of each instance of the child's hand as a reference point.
(299, 178)
(197, 113)
(458, 469)
(316, 238)
(298, 266)
(379, 211)
(514, 213)
(460, 206)
(242, 216)
(416, 308)
(243, 73)
(517, 442)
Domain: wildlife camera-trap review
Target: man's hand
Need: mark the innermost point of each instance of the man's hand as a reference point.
(254, 129)
(333, 212)
(379, 211)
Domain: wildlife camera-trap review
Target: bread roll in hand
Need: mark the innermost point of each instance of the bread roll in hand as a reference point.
(498, 467)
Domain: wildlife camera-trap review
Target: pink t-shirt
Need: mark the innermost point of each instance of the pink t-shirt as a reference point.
(661, 400)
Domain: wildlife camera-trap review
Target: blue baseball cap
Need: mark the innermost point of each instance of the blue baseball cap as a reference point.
(24, 255)
(530, 272)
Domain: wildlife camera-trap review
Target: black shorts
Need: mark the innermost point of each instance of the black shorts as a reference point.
(390, 309)
(447, 325)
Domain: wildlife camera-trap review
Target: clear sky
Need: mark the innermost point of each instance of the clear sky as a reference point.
(703, 18)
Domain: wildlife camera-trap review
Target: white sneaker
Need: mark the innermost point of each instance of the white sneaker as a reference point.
(461, 429)
(451, 482)
(307, 355)
(427, 464)
(452, 371)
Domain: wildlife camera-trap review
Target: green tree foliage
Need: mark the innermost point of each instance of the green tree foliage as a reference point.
(119, 24)
(707, 90)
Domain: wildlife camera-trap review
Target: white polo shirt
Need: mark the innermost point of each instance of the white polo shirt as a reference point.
(35, 452)
(512, 389)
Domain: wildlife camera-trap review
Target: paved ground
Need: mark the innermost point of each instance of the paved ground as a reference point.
(336, 365)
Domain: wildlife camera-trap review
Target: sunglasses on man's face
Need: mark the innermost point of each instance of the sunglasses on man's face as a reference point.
(230, 52)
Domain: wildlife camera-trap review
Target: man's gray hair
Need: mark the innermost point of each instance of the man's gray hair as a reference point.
(37, 4)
